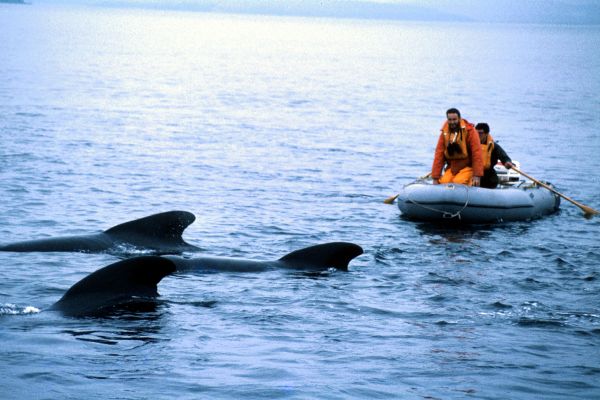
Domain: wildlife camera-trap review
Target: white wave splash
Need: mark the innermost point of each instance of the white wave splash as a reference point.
(13, 309)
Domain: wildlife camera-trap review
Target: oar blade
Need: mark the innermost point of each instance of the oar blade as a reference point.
(391, 199)
(589, 211)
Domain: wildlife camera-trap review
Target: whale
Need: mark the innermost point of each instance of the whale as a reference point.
(316, 258)
(135, 279)
(128, 281)
(159, 233)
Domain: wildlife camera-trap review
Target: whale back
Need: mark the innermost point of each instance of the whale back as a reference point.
(315, 258)
(115, 284)
(161, 232)
(87, 243)
(322, 256)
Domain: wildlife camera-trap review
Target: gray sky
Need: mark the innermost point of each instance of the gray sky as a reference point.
(536, 11)
(519, 11)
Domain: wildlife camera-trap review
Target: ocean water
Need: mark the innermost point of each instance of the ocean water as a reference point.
(279, 133)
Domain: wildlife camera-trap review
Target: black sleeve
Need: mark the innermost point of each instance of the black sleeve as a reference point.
(500, 154)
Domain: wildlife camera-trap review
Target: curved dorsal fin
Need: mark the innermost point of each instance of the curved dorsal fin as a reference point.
(336, 254)
(168, 225)
(114, 284)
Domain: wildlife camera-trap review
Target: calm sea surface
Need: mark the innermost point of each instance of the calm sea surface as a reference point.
(279, 133)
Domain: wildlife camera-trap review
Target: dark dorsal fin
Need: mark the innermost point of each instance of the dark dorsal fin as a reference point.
(168, 225)
(114, 284)
(337, 255)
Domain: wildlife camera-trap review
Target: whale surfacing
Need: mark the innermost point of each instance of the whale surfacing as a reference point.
(160, 233)
(116, 284)
(135, 279)
(314, 258)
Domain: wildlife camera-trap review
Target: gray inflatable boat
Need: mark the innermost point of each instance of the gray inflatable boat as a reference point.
(519, 201)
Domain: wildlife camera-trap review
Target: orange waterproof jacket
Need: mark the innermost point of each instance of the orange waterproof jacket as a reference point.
(486, 152)
(474, 158)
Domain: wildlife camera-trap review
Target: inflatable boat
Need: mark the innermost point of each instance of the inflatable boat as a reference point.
(512, 200)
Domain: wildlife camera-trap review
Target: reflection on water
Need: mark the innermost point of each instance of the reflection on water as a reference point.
(437, 233)
(139, 321)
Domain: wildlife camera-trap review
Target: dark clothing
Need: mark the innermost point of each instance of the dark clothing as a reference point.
(490, 178)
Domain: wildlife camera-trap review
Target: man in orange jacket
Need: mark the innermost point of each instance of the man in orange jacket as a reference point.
(459, 147)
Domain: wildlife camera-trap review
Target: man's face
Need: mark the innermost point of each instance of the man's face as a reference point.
(482, 136)
(453, 121)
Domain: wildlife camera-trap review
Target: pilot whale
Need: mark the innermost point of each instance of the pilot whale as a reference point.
(136, 278)
(314, 258)
(123, 282)
(160, 233)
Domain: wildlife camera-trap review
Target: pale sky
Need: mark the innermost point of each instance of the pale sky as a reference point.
(520, 11)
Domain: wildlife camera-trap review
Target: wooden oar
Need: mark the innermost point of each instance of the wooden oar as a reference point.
(588, 211)
(391, 199)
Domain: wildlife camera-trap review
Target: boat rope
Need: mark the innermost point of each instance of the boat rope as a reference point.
(445, 214)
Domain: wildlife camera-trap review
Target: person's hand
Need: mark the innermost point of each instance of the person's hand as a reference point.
(508, 165)
(476, 181)
(436, 181)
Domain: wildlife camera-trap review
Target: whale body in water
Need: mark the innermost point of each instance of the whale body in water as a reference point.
(160, 233)
(123, 282)
(136, 278)
(314, 258)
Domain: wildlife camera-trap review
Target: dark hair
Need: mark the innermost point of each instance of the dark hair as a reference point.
(453, 111)
(482, 125)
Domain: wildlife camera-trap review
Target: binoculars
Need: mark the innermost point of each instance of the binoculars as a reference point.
(453, 148)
